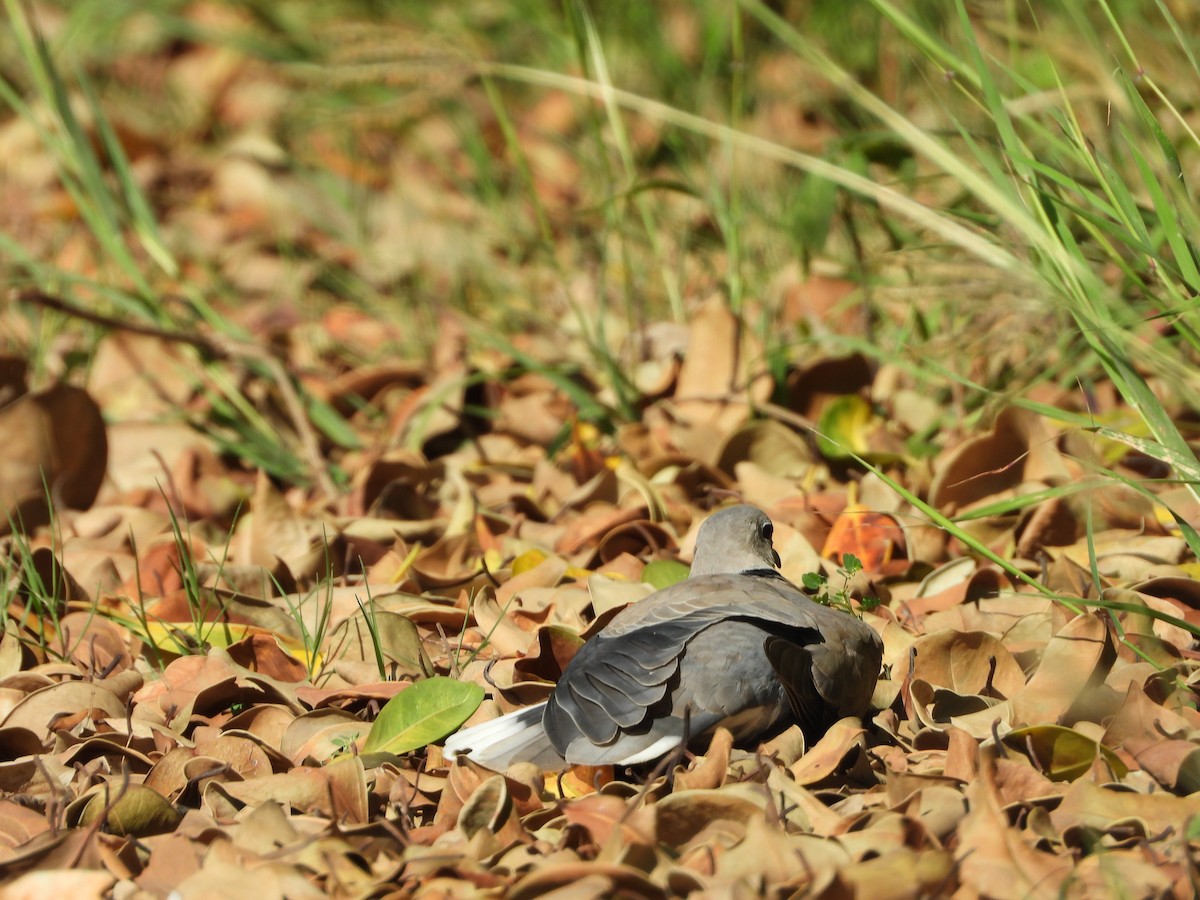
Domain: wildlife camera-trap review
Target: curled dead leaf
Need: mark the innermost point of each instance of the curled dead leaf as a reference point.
(133, 810)
(826, 756)
(1018, 449)
(682, 815)
(1078, 656)
(54, 441)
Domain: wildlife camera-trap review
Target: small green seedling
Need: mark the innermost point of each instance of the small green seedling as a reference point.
(818, 585)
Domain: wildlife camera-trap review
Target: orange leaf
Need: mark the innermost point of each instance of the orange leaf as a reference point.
(875, 538)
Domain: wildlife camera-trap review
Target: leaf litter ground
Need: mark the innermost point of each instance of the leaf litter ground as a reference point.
(196, 647)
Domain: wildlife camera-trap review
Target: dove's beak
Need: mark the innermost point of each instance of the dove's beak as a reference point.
(775, 556)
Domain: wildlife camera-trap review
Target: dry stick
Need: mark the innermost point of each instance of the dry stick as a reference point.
(487, 673)
(407, 824)
(57, 803)
(450, 661)
(783, 414)
(401, 838)
(665, 765)
(1000, 751)
(1033, 757)
(224, 348)
(211, 772)
(37, 298)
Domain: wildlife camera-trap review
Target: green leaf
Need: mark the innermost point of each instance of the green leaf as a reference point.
(663, 573)
(845, 428)
(843, 422)
(813, 581)
(421, 714)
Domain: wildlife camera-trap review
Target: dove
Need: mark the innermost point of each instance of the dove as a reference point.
(734, 645)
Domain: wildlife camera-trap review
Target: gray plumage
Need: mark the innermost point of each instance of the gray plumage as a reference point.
(733, 645)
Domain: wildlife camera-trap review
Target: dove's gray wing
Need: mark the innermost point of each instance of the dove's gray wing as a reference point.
(738, 650)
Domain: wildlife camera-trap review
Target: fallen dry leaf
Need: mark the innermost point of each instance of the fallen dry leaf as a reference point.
(54, 442)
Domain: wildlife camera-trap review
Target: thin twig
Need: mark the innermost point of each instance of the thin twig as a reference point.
(199, 341)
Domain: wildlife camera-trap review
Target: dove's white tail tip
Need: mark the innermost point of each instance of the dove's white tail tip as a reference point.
(512, 738)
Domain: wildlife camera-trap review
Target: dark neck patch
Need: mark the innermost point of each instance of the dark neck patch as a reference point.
(763, 573)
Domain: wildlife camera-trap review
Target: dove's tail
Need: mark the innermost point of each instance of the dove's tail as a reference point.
(512, 738)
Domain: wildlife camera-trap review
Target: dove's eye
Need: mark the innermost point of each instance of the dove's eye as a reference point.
(767, 530)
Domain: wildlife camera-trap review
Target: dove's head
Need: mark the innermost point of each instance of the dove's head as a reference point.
(737, 539)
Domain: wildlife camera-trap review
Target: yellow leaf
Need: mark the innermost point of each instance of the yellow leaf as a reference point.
(530, 559)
